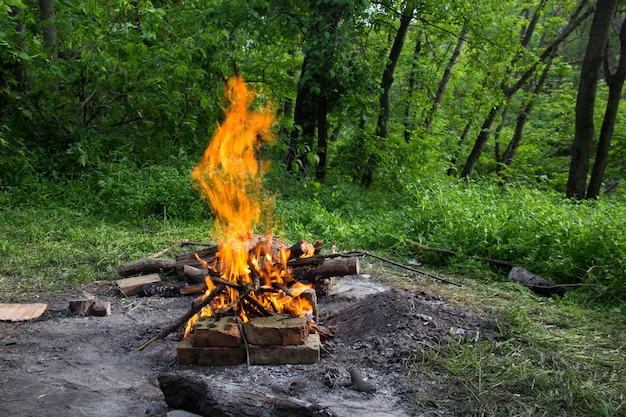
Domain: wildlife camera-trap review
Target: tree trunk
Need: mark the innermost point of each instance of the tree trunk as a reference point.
(615, 82)
(46, 10)
(304, 120)
(479, 145)
(387, 79)
(322, 139)
(585, 101)
(522, 117)
(443, 84)
(452, 169)
(386, 82)
(409, 123)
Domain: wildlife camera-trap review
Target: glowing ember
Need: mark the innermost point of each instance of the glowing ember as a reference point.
(230, 177)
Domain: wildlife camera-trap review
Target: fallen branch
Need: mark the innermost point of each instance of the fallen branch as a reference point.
(146, 266)
(408, 268)
(453, 253)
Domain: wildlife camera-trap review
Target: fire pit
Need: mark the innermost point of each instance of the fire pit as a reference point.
(259, 304)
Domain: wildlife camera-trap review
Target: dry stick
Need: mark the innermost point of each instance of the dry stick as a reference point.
(169, 248)
(183, 319)
(453, 253)
(408, 268)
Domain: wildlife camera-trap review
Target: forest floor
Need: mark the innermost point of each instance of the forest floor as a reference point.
(65, 365)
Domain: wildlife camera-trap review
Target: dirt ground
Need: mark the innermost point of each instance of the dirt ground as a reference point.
(63, 365)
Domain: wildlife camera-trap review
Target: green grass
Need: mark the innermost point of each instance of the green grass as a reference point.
(545, 357)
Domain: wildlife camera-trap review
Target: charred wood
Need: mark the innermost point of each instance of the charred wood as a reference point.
(207, 397)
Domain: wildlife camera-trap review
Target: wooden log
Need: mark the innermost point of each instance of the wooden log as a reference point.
(195, 275)
(208, 397)
(190, 259)
(325, 268)
(535, 283)
(147, 265)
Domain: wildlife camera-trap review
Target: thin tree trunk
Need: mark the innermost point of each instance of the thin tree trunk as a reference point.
(443, 84)
(387, 79)
(522, 117)
(46, 10)
(585, 101)
(479, 145)
(615, 82)
(409, 123)
(452, 169)
(304, 120)
(498, 132)
(322, 139)
(386, 82)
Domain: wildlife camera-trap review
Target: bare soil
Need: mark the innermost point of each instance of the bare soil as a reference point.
(64, 365)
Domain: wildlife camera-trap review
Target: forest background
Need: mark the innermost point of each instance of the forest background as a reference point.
(490, 128)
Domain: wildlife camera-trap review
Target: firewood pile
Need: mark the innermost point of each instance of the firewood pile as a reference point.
(279, 281)
(143, 276)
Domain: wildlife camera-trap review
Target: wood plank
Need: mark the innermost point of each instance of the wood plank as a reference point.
(134, 285)
(21, 312)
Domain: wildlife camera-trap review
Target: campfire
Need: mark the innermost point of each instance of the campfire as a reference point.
(259, 303)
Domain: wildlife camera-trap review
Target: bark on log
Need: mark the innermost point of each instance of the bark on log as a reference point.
(211, 398)
(535, 283)
(145, 266)
(195, 275)
(332, 267)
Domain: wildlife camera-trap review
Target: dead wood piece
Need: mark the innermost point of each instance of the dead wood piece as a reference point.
(86, 307)
(147, 265)
(359, 383)
(319, 267)
(195, 275)
(204, 396)
(191, 259)
(453, 253)
(408, 268)
(535, 283)
(192, 289)
(134, 285)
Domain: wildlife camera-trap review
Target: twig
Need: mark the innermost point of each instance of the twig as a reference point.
(592, 268)
(453, 253)
(168, 249)
(408, 268)
(195, 308)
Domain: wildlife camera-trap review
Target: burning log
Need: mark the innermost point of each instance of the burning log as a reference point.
(204, 396)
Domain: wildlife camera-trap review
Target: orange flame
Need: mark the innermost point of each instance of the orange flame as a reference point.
(229, 175)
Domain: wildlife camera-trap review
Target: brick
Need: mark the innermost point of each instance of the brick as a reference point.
(209, 331)
(306, 353)
(276, 331)
(210, 356)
